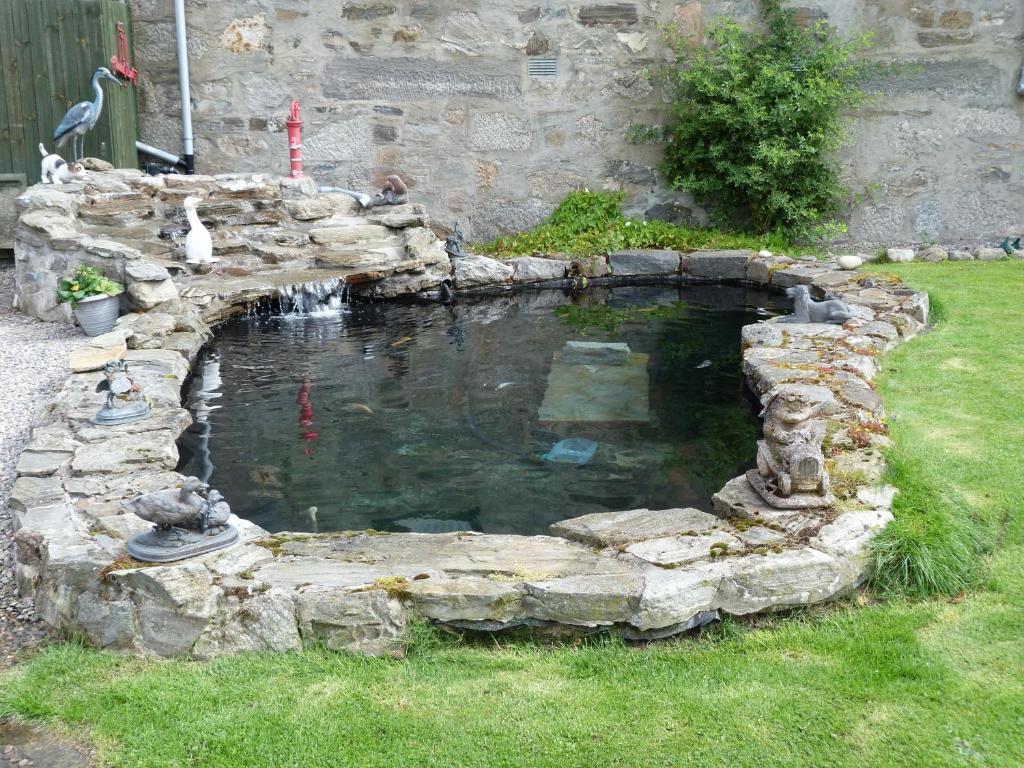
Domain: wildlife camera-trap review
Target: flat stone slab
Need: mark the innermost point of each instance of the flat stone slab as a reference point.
(610, 529)
(645, 262)
(673, 551)
(615, 393)
(531, 269)
(719, 265)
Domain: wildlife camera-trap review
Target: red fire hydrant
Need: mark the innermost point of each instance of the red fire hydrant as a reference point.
(294, 125)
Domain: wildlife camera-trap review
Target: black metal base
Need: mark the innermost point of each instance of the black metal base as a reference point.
(178, 543)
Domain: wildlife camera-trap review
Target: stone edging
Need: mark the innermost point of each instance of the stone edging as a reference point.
(640, 573)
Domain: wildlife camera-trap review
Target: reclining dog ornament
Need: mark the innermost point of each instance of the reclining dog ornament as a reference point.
(790, 470)
(806, 310)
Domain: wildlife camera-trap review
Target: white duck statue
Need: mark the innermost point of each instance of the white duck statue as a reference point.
(198, 243)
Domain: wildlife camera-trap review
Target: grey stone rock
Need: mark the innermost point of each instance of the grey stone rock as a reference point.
(850, 534)
(466, 599)
(989, 254)
(784, 580)
(957, 255)
(97, 351)
(263, 622)
(475, 271)
(609, 529)
(42, 463)
(675, 551)
(644, 262)
(367, 622)
(156, 449)
(144, 271)
(674, 596)
(900, 255)
(150, 294)
(799, 275)
(584, 600)
(933, 253)
(719, 265)
(399, 79)
(531, 269)
(29, 492)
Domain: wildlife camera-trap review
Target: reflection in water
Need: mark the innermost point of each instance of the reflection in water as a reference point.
(427, 416)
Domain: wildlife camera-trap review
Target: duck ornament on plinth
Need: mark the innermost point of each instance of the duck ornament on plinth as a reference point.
(125, 403)
(189, 520)
(198, 243)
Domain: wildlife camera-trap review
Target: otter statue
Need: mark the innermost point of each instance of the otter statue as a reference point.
(394, 192)
(790, 470)
(806, 310)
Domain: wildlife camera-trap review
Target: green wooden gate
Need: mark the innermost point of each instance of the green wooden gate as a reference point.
(48, 51)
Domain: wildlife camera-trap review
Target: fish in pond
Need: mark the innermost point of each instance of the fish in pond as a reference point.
(704, 364)
(266, 475)
(401, 341)
(359, 408)
(503, 385)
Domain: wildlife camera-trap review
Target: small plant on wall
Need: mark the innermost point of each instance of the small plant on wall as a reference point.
(756, 117)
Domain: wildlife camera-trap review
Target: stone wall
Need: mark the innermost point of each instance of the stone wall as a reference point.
(442, 93)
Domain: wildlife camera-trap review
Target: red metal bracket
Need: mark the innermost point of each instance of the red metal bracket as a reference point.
(121, 61)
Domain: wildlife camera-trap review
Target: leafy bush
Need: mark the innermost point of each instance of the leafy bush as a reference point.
(757, 116)
(87, 281)
(592, 223)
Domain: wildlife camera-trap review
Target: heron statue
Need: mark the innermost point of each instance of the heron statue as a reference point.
(81, 118)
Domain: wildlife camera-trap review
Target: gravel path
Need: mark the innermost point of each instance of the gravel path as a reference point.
(33, 362)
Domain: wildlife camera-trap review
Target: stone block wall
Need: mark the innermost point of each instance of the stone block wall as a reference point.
(446, 94)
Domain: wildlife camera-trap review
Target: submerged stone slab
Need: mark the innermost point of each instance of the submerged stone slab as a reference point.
(595, 353)
(610, 529)
(615, 393)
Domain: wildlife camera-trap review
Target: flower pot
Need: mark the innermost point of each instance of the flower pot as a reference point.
(97, 314)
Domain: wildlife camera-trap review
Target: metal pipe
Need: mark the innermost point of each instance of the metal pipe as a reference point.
(167, 157)
(188, 151)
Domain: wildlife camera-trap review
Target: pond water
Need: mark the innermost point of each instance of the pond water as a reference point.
(432, 418)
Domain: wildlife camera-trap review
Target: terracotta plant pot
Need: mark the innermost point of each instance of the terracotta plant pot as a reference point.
(97, 314)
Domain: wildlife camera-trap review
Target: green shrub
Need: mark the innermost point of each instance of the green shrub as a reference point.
(756, 117)
(592, 224)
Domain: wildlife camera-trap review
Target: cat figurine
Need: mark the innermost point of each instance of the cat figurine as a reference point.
(55, 171)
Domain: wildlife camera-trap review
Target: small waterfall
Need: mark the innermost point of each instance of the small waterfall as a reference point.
(302, 299)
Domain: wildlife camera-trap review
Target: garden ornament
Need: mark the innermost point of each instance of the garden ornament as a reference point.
(790, 470)
(81, 118)
(125, 403)
(54, 170)
(454, 242)
(806, 310)
(394, 192)
(198, 243)
(1010, 248)
(189, 520)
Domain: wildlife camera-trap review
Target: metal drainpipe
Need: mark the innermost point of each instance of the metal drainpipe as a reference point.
(188, 151)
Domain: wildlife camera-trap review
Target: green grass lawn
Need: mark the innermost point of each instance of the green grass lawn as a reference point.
(935, 682)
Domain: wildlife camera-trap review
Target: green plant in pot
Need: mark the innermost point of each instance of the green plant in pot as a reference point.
(93, 297)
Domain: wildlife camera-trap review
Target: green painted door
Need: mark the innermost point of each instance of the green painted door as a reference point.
(48, 51)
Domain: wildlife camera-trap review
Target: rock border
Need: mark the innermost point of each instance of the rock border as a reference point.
(640, 573)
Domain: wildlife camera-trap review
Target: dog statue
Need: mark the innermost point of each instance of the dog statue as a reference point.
(806, 310)
(54, 170)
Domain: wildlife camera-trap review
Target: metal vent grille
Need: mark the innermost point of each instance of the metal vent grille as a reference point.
(542, 68)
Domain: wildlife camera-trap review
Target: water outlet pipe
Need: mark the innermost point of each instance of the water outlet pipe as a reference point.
(188, 150)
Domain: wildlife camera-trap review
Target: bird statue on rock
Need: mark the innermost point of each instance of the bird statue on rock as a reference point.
(81, 118)
(198, 244)
(1010, 248)
(181, 507)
